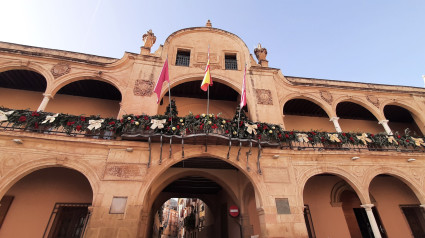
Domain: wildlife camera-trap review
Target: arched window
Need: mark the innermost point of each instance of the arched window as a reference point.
(401, 119)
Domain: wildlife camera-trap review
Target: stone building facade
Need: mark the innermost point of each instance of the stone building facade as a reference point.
(323, 158)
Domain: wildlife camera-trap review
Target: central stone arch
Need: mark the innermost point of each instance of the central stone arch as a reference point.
(227, 174)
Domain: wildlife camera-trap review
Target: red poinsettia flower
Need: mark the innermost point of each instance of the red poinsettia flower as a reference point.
(83, 118)
(111, 123)
(147, 128)
(398, 136)
(146, 118)
(372, 135)
(344, 134)
(78, 128)
(22, 118)
(36, 125)
(35, 114)
(70, 123)
(227, 131)
(407, 140)
(286, 135)
(197, 116)
(178, 126)
(351, 138)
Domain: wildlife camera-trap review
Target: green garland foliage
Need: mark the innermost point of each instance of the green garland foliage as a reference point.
(195, 124)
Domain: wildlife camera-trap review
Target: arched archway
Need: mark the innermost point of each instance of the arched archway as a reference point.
(87, 96)
(402, 213)
(21, 89)
(330, 205)
(355, 117)
(43, 200)
(221, 182)
(304, 115)
(190, 98)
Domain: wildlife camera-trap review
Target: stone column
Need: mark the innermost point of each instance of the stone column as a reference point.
(384, 123)
(372, 221)
(43, 104)
(336, 123)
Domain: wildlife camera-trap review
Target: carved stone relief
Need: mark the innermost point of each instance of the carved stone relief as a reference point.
(374, 100)
(202, 57)
(60, 69)
(264, 96)
(123, 171)
(203, 66)
(327, 96)
(143, 87)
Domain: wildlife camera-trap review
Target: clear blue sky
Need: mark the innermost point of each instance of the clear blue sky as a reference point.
(379, 41)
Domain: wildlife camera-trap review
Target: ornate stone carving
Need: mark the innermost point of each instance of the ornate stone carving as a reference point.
(212, 66)
(202, 57)
(374, 100)
(327, 96)
(261, 54)
(60, 69)
(123, 171)
(149, 39)
(143, 87)
(264, 96)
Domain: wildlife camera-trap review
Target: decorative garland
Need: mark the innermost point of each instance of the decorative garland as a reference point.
(195, 124)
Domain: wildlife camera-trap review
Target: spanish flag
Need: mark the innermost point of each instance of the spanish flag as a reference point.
(207, 81)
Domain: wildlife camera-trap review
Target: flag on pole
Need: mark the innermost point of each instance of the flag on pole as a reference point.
(162, 77)
(243, 93)
(207, 81)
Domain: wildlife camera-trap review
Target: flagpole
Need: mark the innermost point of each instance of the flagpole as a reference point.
(208, 88)
(240, 108)
(169, 97)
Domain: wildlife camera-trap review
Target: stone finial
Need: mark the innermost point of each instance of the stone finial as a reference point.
(208, 23)
(149, 39)
(261, 54)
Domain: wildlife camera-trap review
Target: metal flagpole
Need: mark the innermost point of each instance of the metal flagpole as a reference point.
(208, 88)
(240, 108)
(169, 93)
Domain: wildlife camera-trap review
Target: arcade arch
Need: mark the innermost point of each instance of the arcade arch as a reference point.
(88, 97)
(402, 214)
(21, 89)
(43, 199)
(355, 117)
(305, 114)
(399, 119)
(190, 98)
(224, 185)
(332, 206)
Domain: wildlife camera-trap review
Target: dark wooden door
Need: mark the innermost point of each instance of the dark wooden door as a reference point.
(415, 217)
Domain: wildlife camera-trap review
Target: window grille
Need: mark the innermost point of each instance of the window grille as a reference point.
(183, 58)
(230, 62)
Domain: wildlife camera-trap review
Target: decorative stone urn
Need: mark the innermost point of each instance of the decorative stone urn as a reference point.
(261, 54)
(149, 39)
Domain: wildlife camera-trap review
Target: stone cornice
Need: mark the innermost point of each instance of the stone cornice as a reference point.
(354, 85)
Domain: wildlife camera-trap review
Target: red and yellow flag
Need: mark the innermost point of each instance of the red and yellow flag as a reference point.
(207, 81)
